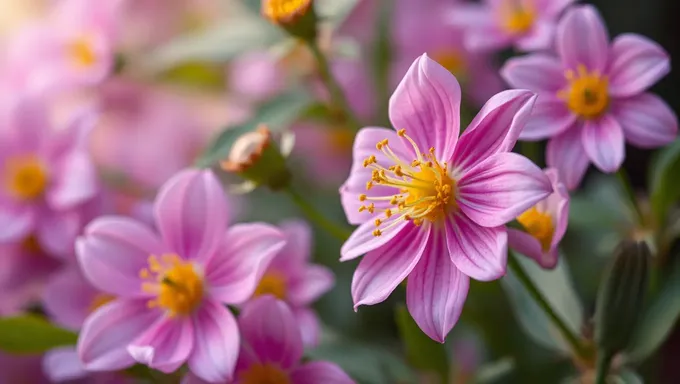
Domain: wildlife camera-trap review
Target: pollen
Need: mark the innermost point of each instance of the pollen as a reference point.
(587, 94)
(99, 301)
(539, 225)
(285, 11)
(272, 283)
(81, 52)
(176, 283)
(263, 374)
(452, 60)
(517, 16)
(25, 177)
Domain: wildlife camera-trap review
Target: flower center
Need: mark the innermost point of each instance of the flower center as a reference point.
(424, 188)
(452, 60)
(284, 10)
(99, 301)
(176, 283)
(25, 177)
(587, 94)
(264, 374)
(340, 140)
(31, 245)
(82, 52)
(272, 283)
(539, 225)
(517, 16)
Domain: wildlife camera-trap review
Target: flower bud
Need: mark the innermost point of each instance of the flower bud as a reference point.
(621, 297)
(297, 17)
(256, 157)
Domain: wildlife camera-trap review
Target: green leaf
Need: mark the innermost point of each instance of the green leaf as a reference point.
(663, 185)
(277, 113)
(422, 352)
(32, 335)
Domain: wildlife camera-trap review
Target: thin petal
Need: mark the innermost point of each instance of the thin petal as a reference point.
(582, 39)
(112, 253)
(76, 184)
(565, 153)
(243, 256)
(166, 345)
(298, 242)
(501, 188)
(537, 72)
(310, 326)
(526, 244)
(495, 128)
(68, 298)
(191, 213)
(558, 205)
(362, 240)
(636, 63)
(647, 121)
(604, 143)
(427, 104)
(74, 136)
(29, 122)
(314, 282)
(16, 222)
(478, 252)
(217, 342)
(549, 118)
(270, 330)
(63, 365)
(57, 231)
(320, 372)
(383, 269)
(436, 290)
(103, 341)
(539, 38)
(553, 8)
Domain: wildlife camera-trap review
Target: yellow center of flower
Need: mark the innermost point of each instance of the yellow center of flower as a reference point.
(452, 60)
(284, 10)
(587, 94)
(517, 16)
(99, 301)
(31, 245)
(177, 284)
(425, 190)
(539, 225)
(272, 283)
(340, 140)
(25, 177)
(82, 52)
(264, 374)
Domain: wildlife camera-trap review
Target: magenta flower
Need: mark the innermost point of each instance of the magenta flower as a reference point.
(291, 278)
(431, 206)
(544, 225)
(171, 287)
(592, 96)
(528, 25)
(45, 177)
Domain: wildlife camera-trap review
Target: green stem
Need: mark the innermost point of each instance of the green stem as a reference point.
(338, 98)
(314, 215)
(604, 360)
(536, 294)
(624, 181)
(531, 150)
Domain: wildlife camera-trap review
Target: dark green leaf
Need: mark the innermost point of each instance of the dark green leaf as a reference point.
(422, 352)
(663, 185)
(32, 335)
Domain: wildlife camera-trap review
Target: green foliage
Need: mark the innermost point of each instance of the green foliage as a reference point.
(32, 335)
(663, 184)
(422, 352)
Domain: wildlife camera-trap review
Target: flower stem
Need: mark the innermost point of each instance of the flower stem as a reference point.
(338, 98)
(543, 303)
(314, 215)
(604, 360)
(624, 181)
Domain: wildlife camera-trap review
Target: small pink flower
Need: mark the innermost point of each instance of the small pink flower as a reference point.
(171, 287)
(45, 177)
(528, 25)
(592, 96)
(291, 278)
(432, 206)
(544, 225)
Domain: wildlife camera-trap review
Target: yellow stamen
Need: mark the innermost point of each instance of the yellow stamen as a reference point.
(285, 11)
(452, 60)
(82, 52)
(272, 283)
(25, 177)
(263, 374)
(517, 16)
(177, 284)
(539, 225)
(587, 94)
(99, 301)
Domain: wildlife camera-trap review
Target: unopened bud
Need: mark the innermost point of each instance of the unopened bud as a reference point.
(297, 17)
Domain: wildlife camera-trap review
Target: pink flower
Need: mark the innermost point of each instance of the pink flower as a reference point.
(256, 76)
(493, 25)
(171, 287)
(592, 96)
(45, 177)
(431, 206)
(329, 147)
(544, 225)
(291, 278)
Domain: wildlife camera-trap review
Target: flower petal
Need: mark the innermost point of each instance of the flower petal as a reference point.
(191, 213)
(269, 329)
(310, 326)
(565, 153)
(113, 251)
(30, 123)
(540, 37)
(436, 290)
(495, 128)
(314, 282)
(298, 243)
(635, 64)
(478, 252)
(604, 143)
(553, 8)
(582, 39)
(166, 345)
(241, 259)
(103, 341)
(320, 372)
(77, 182)
(57, 231)
(362, 240)
(427, 104)
(557, 204)
(63, 365)
(549, 118)
(68, 298)
(647, 121)
(529, 246)
(382, 269)
(16, 222)
(217, 342)
(500, 188)
(537, 72)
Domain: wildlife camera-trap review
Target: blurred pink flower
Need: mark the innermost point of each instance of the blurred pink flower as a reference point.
(256, 76)
(291, 278)
(21, 369)
(544, 225)
(329, 147)
(528, 25)
(46, 175)
(592, 96)
(431, 205)
(171, 287)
